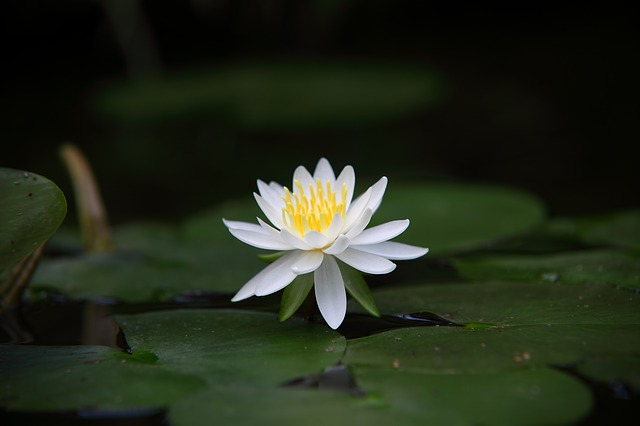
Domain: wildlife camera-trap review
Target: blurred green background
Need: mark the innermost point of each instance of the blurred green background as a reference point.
(181, 104)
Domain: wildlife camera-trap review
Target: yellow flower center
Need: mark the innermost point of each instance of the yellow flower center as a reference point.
(312, 212)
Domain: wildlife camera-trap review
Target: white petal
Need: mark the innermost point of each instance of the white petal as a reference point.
(366, 262)
(309, 262)
(330, 292)
(281, 269)
(315, 239)
(334, 229)
(277, 275)
(377, 192)
(394, 251)
(324, 172)
(356, 209)
(348, 178)
(260, 239)
(338, 245)
(233, 224)
(274, 216)
(360, 224)
(380, 233)
(302, 175)
(294, 240)
(269, 230)
(271, 196)
(275, 186)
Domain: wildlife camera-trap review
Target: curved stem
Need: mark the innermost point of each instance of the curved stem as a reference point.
(92, 215)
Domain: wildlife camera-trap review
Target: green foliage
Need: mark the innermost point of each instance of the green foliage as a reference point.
(543, 303)
(31, 209)
(280, 95)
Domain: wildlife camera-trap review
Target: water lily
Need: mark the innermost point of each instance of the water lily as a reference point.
(314, 223)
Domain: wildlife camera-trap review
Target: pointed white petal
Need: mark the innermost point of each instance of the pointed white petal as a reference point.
(358, 206)
(324, 172)
(380, 233)
(302, 175)
(366, 262)
(271, 196)
(247, 290)
(330, 292)
(309, 262)
(260, 240)
(233, 224)
(394, 251)
(268, 229)
(294, 240)
(348, 178)
(277, 275)
(377, 192)
(360, 224)
(338, 245)
(334, 229)
(315, 239)
(274, 216)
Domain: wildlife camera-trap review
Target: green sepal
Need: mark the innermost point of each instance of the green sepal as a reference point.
(294, 295)
(270, 257)
(358, 288)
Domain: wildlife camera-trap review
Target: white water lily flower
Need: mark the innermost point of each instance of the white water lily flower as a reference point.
(314, 223)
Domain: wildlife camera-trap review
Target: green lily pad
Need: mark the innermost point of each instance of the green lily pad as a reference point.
(153, 263)
(531, 397)
(451, 218)
(65, 378)
(602, 266)
(621, 229)
(175, 354)
(234, 346)
(285, 95)
(533, 326)
(33, 208)
(622, 369)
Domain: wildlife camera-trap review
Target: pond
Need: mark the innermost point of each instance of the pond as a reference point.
(513, 317)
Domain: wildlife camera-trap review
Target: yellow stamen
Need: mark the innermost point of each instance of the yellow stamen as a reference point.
(313, 210)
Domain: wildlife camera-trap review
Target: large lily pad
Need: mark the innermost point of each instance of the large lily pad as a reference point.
(283, 95)
(82, 377)
(175, 353)
(153, 262)
(533, 397)
(615, 268)
(450, 218)
(32, 209)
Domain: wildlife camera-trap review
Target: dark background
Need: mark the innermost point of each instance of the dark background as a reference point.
(533, 97)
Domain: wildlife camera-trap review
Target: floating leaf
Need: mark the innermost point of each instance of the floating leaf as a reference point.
(450, 218)
(602, 266)
(175, 353)
(533, 397)
(32, 209)
(75, 377)
(285, 95)
(152, 263)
